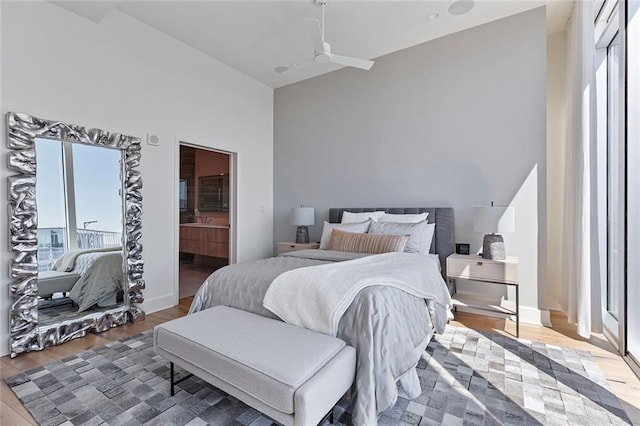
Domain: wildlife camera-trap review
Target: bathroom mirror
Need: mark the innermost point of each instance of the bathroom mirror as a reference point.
(213, 193)
(75, 211)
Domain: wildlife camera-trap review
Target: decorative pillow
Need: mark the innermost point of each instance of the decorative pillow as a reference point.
(416, 231)
(404, 218)
(348, 217)
(427, 238)
(366, 243)
(358, 228)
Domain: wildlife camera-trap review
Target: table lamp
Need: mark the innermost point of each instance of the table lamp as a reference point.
(493, 221)
(301, 217)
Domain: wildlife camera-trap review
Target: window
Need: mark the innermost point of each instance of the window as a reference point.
(615, 182)
(183, 195)
(611, 163)
(632, 127)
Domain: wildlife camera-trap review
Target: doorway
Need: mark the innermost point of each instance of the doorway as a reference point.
(204, 202)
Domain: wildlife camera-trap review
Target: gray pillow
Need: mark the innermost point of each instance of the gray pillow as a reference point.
(415, 231)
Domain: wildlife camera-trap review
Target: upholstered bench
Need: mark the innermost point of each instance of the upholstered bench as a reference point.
(289, 373)
(50, 282)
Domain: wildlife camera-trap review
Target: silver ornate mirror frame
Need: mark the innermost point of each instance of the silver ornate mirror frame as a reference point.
(25, 333)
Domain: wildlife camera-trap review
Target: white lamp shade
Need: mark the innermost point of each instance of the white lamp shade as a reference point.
(302, 216)
(494, 220)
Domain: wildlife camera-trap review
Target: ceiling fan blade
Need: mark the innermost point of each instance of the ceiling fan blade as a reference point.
(363, 64)
(316, 34)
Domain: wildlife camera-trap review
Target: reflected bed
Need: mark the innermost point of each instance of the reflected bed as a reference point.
(92, 277)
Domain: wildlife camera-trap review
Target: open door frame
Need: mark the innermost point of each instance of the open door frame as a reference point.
(233, 202)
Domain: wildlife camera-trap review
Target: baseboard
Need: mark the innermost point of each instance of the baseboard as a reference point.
(4, 344)
(545, 316)
(150, 306)
(532, 316)
(554, 306)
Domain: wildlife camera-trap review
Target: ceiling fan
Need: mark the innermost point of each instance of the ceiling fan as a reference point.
(322, 50)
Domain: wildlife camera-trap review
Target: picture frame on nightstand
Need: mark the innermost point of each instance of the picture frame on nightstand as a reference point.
(463, 248)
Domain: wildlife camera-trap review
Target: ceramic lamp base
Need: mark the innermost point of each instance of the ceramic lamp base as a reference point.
(302, 235)
(493, 247)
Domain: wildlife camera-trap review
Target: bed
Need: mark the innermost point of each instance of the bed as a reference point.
(389, 327)
(91, 277)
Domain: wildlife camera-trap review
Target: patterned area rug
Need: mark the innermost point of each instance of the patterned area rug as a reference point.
(467, 377)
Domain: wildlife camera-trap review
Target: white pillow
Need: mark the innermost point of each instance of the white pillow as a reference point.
(420, 234)
(348, 217)
(404, 218)
(427, 238)
(357, 228)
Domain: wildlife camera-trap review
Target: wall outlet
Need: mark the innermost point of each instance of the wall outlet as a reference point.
(153, 140)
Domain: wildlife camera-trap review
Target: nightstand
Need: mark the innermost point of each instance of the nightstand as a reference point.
(286, 247)
(500, 272)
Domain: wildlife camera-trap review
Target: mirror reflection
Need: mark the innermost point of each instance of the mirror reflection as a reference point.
(79, 200)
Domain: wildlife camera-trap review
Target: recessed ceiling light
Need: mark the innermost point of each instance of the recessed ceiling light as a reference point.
(461, 7)
(433, 16)
(293, 65)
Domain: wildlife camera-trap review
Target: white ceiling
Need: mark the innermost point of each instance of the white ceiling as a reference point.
(255, 37)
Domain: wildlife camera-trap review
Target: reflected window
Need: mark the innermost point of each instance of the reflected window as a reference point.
(79, 198)
(50, 193)
(97, 187)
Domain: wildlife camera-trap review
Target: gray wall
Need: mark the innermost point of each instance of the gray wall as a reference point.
(458, 121)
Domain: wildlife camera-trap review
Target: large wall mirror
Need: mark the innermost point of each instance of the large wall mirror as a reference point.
(75, 211)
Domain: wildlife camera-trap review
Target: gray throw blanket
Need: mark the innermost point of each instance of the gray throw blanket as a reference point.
(100, 283)
(67, 262)
(388, 327)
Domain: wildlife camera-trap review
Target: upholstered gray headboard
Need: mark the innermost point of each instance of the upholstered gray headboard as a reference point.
(443, 239)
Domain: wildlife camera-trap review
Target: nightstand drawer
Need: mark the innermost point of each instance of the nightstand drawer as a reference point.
(286, 247)
(483, 269)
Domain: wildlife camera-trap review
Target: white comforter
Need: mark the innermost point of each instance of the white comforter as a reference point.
(316, 297)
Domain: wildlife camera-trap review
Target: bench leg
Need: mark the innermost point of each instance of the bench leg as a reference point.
(175, 382)
(328, 416)
(172, 384)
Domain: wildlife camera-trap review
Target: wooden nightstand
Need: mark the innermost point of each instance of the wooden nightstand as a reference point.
(474, 267)
(286, 247)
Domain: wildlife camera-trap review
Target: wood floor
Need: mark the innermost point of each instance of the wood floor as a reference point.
(191, 278)
(620, 377)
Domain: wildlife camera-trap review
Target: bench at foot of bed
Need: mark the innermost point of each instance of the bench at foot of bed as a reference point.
(291, 374)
